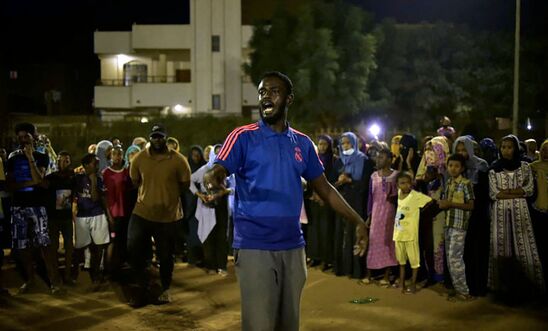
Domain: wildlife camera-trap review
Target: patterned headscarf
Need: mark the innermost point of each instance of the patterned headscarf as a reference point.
(435, 155)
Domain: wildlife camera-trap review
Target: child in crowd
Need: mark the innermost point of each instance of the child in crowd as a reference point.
(458, 202)
(118, 186)
(91, 225)
(406, 228)
(381, 212)
(60, 184)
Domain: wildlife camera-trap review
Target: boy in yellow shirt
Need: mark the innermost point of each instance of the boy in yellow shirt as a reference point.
(406, 228)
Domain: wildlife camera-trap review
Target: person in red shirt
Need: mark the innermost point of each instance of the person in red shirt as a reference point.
(117, 185)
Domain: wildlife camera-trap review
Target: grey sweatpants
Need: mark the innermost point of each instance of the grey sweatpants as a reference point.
(271, 283)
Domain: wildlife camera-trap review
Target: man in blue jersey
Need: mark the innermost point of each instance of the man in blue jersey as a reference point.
(268, 159)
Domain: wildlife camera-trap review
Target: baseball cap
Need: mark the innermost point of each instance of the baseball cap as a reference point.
(158, 129)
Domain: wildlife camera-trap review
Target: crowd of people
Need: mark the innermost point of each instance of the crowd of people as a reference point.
(465, 213)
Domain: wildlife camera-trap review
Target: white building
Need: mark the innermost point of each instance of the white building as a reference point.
(181, 69)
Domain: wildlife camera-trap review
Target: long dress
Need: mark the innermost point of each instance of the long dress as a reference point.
(346, 263)
(476, 249)
(381, 252)
(321, 226)
(514, 263)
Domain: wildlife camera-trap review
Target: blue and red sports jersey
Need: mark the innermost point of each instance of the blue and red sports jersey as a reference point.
(268, 167)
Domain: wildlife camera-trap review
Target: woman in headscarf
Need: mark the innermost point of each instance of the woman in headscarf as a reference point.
(196, 158)
(539, 212)
(395, 149)
(354, 171)
(321, 223)
(409, 156)
(476, 249)
(532, 152)
(131, 151)
(207, 152)
(212, 215)
(104, 148)
(140, 141)
(540, 172)
(190, 223)
(431, 180)
(489, 150)
(515, 271)
(173, 144)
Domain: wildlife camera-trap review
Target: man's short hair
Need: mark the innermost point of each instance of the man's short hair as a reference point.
(404, 174)
(458, 158)
(283, 77)
(27, 127)
(88, 158)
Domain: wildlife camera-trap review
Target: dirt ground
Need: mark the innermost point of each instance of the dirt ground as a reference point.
(209, 302)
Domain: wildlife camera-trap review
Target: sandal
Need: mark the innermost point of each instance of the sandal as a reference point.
(410, 290)
(364, 281)
(384, 283)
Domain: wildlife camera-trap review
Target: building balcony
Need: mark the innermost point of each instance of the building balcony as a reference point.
(142, 94)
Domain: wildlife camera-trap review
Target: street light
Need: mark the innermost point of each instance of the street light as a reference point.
(375, 129)
(515, 105)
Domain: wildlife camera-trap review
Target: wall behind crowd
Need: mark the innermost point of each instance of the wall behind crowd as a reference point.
(75, 135)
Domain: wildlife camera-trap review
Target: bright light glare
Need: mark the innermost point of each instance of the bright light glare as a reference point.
(144, 120)
(375, 130)
(123, 59)
(529, 126)
(178, 109)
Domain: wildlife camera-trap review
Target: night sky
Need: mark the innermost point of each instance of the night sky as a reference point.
(38, 32)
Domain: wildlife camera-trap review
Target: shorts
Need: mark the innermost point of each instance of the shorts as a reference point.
(63, 225)
(92, 229)
(29, 227)
(408, 250)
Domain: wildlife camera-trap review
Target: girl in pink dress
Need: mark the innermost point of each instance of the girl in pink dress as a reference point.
(381, 213)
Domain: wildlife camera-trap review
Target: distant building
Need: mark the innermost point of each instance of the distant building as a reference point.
(185, 70)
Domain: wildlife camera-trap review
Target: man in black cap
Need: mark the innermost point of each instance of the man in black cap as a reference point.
(161, 175)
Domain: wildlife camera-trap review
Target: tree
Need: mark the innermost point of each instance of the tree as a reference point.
(326, 48)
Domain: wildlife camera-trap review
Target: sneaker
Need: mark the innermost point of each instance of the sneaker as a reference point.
(165, 297)
(222, 272)
(25, 288)
(55, 290)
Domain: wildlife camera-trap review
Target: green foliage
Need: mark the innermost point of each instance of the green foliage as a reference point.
(326, 49)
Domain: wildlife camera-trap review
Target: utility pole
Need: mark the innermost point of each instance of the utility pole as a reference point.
(515, 108)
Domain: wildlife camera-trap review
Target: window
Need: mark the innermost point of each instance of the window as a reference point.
(215, 43)
(216, 102)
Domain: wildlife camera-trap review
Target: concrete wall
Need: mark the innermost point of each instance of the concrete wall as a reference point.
(161, 95)
(116, 42)
(113, 97)
(233, 56)
(162, 36)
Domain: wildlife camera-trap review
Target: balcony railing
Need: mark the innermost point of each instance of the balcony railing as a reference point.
(141, 80)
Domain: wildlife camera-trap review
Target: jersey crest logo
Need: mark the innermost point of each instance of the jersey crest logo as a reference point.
(298, 154)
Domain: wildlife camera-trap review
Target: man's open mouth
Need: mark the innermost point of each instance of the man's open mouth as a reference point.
(268, 107)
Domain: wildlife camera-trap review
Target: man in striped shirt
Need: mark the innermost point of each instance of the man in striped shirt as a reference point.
(268, 159)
